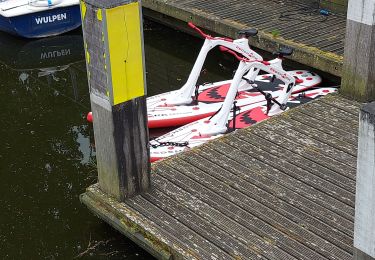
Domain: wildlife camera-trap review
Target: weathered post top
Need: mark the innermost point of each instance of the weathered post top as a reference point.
(113, 38)
(364, 226)
(358, 80)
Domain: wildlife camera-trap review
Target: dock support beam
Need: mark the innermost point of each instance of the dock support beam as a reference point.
(113, 39)
(364, 230)
(358, 76)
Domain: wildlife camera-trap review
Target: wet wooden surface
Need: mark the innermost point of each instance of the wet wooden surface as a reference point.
(282, 189)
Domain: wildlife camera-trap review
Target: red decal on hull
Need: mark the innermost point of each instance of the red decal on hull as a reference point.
(249, 118)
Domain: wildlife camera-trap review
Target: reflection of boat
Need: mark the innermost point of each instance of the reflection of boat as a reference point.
(39, 18)
(22, 54)
(43, 58)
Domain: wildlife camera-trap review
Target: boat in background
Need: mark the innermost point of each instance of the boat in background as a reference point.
(39, 18)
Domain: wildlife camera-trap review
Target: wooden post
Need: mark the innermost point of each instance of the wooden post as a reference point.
(364, 226)
(113, 37)
(359, 59)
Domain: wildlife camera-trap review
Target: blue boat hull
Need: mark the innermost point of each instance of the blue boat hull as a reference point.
(42, 24)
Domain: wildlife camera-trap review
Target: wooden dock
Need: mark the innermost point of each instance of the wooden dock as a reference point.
(318, 40)
(282, 189)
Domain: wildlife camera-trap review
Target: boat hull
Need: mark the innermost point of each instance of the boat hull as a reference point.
(42, 24)
(211, 98)
(190, 136)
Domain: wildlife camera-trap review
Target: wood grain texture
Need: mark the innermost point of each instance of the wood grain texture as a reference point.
(282, 189)
(359, 64)
(121, 133)
(364, 236)
(318, 41)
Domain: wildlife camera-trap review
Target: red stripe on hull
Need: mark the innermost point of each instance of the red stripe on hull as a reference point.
(176, 121)
(154, 159)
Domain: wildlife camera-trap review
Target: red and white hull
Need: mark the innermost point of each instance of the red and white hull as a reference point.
(211, 97)
(189, 136)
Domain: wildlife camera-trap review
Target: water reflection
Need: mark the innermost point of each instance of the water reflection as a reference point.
(46, 154)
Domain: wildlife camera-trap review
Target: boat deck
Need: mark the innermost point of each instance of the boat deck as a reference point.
(318, 40)
(282, 189)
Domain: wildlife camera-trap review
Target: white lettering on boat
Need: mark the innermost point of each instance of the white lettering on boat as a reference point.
(54, 54)
(51, 18)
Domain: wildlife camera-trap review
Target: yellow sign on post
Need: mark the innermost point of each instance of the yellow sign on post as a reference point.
(124, 60)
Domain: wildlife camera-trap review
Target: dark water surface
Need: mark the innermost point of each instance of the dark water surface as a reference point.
(46, 154)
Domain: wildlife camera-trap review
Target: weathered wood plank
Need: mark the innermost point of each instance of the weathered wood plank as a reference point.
(344, 104)
(324, 127)
(308, 151)
(347, 184)
(358, 69)
(364, 236)
(133, 224)
(319, 136)
(193, 242)
(335, 110)
(225, 183)
(246, 222)
(281, 130)
(264, 177)
(312, 46)
(325, 116)
(218, 236)
(254, 194)
(289, 175)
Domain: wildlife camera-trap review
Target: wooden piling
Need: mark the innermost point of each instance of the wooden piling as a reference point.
(359, 60)
(364, 235)
(113, 39)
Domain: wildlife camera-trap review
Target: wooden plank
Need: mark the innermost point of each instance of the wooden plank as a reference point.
(289, 174)
(193, 242)
(225, 18)
(163, 200)
(324, 127)
(280, 130)
(324, 116)
(238, 217)
(310, 168)
(256, 193)
(344, 104)
(308, 151)
(318, 152)
(332, 141)
(364, 236)
(264, 178)
(336, 110)
(132, 224)
(358, 69)
(261, 203)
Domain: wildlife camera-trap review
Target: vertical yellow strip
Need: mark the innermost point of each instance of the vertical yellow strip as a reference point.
(125, 52)
(83, 11)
